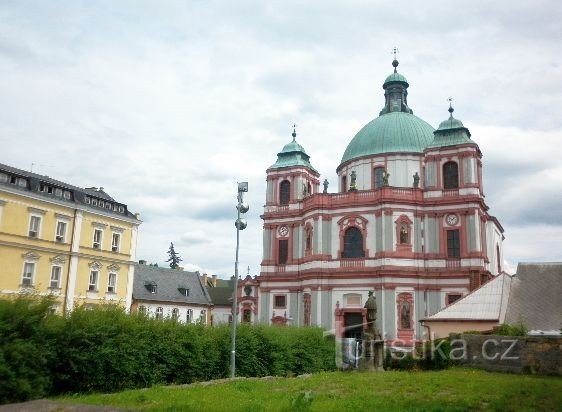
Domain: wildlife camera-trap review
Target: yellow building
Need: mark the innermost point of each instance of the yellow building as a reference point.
(55, 238)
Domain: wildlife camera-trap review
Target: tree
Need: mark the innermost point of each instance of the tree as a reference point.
(174, 258)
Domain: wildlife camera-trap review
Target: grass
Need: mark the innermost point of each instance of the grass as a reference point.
(448, 390)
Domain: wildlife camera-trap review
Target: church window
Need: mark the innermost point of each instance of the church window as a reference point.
(379, 177)
(453, 297)
(284, 192)
(353, 244)
(453, 243)
(309, 188)
(450, 175)
(344, 183)
(283, 251)
(280, 301)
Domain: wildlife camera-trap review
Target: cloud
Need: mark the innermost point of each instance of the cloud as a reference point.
(168, 105)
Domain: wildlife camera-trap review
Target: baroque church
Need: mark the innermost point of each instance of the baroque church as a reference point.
(409, 221)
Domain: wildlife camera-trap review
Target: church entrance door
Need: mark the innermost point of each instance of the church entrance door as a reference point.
(353, 325)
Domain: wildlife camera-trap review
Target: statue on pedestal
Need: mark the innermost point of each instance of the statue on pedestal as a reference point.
(326, 183)
(353, 185)
(416, 180)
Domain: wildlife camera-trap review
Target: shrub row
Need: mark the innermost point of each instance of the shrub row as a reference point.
(430, 356)
(106, 350)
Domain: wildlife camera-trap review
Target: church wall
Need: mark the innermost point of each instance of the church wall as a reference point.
(469, 165)
(266, 244)
(471, 233)
(326, 237)
(417, 235)
(314, 314)
(388, 232)
(335, 243)
(420, 308)
(494, 239)
(327, 309)
(431, 237)
(378, 297)
(378, 233)
(430, 176)
(389, 313)
(265, 299)
(297, 242)
(293, 311)
(433, 302)
(402, 171)
(371, 231)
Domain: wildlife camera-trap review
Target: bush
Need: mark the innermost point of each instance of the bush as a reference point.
(510, 330)
(429, 356)
(107, 350)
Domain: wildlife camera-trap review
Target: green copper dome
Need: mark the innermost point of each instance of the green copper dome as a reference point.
(389, 133)
(450, 132)
(292, 154)
(395, 77)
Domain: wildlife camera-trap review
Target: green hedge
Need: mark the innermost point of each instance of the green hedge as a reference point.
(106, 350)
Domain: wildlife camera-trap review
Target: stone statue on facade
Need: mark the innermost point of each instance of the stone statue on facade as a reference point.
(405, 320)
(371, 306)
(353, 185)
(385, 178)
(326, 183)
(372, 343)
(416, 180)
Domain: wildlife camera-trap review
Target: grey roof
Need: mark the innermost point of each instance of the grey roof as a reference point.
(221, 295)
(536, 296)
(488, 302)
(77, 195)
(168, 282)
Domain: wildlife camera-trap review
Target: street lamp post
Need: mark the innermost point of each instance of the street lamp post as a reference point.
(240, 225)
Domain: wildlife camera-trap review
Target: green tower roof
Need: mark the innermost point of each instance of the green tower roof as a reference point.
(450, 132)
(292, 154)
(395, 77)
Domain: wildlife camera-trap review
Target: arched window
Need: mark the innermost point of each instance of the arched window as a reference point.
(379, 177)
(189, 316)
(353, 243)
(450, 175)
(175, 313)
(159, 312)
(344, 183)
(284, 192)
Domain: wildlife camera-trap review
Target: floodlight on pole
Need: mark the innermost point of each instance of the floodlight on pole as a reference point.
(240, 224)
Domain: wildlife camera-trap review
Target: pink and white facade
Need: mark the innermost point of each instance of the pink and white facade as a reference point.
(409, 221)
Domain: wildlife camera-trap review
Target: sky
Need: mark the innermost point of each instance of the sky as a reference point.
(167, 104)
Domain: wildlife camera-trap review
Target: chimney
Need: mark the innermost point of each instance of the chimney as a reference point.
(205, 279)
(142, 262)
(214, 281)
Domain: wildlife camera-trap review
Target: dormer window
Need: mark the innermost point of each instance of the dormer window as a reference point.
(151, 287)
(94, 202)
(183, 291)
(121, 209)
(87, 200)
(3, 177)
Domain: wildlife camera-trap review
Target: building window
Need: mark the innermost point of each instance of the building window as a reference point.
(34, 226)
(55, 277)
(115, 242)
(66, 194)
(87, 200)
(379, 177)
(283, 251)
(142, 310)
(307, 303)
(152, 288)
(3, 177)
(284, 192)
(28, 272)
(498, 257)
(344, 183)
(203, 317)
(121, 209)
(184, 291)
(353, 243)
(93, 282)
(61, 232)
(453, 297)
(450, 175)
(189, 316)
(94, 202)
(280, 302)
(159, 312)
(111, 282)
(98, 235)
(58, 192)
(453, 244)
(175, 314)
(22, 182)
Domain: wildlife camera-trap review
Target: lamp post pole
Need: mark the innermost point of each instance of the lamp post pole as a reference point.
(240, 225)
